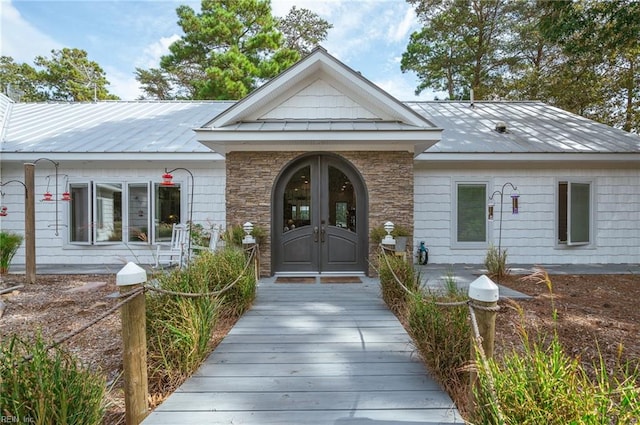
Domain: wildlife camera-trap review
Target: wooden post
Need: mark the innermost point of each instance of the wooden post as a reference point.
(483, 293)
(29, 223)
(134, 339)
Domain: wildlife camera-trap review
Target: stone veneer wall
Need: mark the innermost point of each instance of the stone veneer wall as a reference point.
(250, 177)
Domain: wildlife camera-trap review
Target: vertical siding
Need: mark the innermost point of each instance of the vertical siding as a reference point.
(208, 207)
(530, 236)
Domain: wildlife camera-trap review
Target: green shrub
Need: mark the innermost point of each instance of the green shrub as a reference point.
(224, 267)
(496, 263)
(9, 244)
(442, 336)
(394, 295)
(51, 388)
(179, 328)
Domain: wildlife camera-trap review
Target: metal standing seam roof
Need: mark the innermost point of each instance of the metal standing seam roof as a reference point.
(532, 127)
(167, 126)
(127, 127)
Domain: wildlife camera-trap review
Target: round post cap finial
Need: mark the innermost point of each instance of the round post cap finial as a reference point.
(483, 289)
(131, 274)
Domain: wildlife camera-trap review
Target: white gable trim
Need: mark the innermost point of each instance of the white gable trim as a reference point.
(348, 112)
(319, 64)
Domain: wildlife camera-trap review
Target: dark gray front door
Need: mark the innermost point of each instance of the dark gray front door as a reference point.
(319, 217)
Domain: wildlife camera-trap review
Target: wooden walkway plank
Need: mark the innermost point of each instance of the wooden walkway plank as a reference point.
(312, 354)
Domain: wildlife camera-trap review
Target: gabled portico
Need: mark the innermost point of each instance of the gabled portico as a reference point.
(289, 143)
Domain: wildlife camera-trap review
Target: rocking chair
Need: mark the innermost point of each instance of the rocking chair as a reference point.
(175, 252)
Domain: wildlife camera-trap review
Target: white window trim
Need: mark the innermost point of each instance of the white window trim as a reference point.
(455, 244)
(592, 214)
(91, 184)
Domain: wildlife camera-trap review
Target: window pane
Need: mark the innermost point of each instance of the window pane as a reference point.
(138, 209)
(79, 228)
(472, 225)
(297, 200)
(342, 200)
(579, 218)
(562, 211)
(167, 200)
(108, 214)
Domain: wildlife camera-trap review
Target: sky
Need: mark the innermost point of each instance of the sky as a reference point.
(120, 35)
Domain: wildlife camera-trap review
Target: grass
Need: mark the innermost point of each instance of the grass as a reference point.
(539, 383)
(496, 263)
(51, 388)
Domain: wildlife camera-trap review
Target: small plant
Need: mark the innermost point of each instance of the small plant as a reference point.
(199, 235)
(9, 244)
(496, 263)
(51, 388)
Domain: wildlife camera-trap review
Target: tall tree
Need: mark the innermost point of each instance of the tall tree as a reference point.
(459, 45)
(20, 81)
(303, 30)
(605, 35)
(69, 75)
(155, 83)
(227, 49)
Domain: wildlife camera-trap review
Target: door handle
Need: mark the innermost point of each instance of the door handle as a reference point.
(322, 232)
(315, 234)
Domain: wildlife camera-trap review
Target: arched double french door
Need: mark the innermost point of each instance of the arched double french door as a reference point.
(319, 217)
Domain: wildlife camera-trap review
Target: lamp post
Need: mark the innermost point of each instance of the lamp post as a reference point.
(514, 208)
(388, 239)
(167, 180)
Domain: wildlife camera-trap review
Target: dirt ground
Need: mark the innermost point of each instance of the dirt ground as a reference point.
(595, 313)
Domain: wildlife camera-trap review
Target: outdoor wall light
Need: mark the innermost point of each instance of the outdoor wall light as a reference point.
(248, 238)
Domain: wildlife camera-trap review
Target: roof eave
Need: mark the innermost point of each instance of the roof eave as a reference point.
(224, 141)
(530, 160)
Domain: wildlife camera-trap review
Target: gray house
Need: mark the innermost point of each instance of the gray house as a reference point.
(318, 157)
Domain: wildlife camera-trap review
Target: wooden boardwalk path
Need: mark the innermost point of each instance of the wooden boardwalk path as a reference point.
(309, 354)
